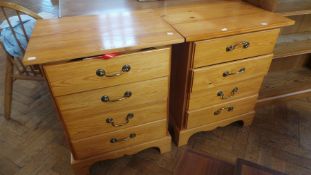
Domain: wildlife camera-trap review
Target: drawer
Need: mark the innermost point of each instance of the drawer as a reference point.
(119, 139)
(121, 98)
(224, 93)
(91, 74)
(230, 48)
(220, 112)
(212, 76)
(80, 128)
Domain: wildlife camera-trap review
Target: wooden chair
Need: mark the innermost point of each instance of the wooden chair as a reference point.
(15, 70)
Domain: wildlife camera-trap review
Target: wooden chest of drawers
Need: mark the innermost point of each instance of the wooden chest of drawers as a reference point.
(112, 99)
(221, 66)
(105, 113)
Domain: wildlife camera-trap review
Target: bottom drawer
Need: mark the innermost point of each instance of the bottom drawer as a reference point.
(119, 139)
(220, 112)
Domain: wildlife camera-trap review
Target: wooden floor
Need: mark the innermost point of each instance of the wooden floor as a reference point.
(33, 142)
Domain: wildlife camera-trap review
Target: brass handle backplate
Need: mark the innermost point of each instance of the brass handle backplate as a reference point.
(106, 98)
(221, 94)
(131, 136)
(127, 120)
(228, 73)
(243, 44)
(228, 108)
(103, 73)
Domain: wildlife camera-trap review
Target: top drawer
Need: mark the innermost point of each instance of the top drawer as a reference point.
(225, 49)
(90, 74)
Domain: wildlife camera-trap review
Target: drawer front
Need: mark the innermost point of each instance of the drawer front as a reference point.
(80, 128)
(91, 74)
(216, 75)
(221, 112)
(225, 49)
(224, 93)
(119, 139)
(121, 98)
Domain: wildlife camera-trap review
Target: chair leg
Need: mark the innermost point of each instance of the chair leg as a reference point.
(8, 88)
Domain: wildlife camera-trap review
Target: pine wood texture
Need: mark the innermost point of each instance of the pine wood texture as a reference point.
(80, 76)
(84, 36)
(101, 144)
(207, 115)
(194, 19)
(89, 96)
(231, 91)
(219, 36)
(92, 125)
(221, 18)
(184, 135)
(88, 103)
(82, 167)
(215, 50)
(212, 76)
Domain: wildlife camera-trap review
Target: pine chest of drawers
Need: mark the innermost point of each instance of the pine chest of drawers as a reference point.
(218, 71)
(110, 83)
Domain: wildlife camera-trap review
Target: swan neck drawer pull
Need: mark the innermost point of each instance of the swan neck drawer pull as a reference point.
(243, 44)
(221, 94)
(116, 140)
(227, 73)
(106, 98)
(228, 108)
(127, 120)
(103, 73)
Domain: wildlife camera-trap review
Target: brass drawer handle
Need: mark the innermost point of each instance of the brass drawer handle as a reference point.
(227, 73)
(243, 44)
(103, 73)
(126, 95)
(127, 120)
(228, 108)
(221, 94)
(131, 136)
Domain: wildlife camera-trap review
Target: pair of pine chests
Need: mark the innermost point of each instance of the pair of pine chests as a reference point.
(121, 81)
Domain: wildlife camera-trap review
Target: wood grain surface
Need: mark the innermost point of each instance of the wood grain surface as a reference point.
(209, 96)
(97, 145)
(81, 76)
(89, 103)
(87, 126)
(200, 21)
(207, 115)
(215, 50)
(212, 76)
(84, 36)
(194, 19)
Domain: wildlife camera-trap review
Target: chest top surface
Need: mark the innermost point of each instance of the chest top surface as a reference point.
(212, 19)
(122, 30)
(83, 36)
